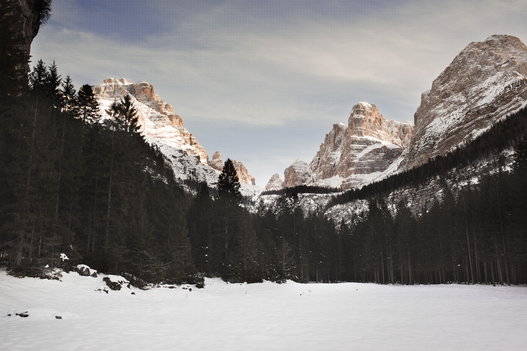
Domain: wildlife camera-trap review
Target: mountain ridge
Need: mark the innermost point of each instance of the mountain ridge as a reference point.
(484, 83)
(352, 155)
(162, 127)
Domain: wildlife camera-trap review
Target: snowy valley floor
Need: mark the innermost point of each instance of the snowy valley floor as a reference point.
(265, 316)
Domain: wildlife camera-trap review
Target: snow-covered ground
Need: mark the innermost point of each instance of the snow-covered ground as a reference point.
(263, 316)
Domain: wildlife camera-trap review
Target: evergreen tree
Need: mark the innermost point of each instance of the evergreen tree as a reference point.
(38, 77)
(70, 104)
(88, 105)
(52, 85)
(200, 231)
(125, 115)
(228, 181)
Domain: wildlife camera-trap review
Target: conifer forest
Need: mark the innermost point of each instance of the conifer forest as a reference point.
(97, 191)
(73, 182)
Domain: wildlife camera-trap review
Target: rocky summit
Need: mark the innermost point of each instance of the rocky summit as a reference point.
(162, 127)
(159, 124)
(484, 83)
(275, 183)
(243, 174)
(366, 149)
(297, 174)
(361, 152)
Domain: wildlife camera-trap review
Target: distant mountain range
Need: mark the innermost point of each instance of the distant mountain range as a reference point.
(485, 82)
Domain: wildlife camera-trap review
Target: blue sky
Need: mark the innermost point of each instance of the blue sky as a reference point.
(263, 81)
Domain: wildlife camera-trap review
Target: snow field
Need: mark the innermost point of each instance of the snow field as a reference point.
(266, 316)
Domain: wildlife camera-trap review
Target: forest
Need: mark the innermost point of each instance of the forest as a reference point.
(510, 133)
(95, 190)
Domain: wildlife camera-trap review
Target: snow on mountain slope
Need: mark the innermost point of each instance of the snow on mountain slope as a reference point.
(158, 122)
(264, 316)
(484, 83)
(165, 129)
(367, 149)
(275, 183)
(421, 197)
(297, 174)
(243, 174)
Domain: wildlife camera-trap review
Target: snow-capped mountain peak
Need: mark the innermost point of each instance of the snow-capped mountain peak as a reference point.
(162, 127)
(484, 83)
(353, 155)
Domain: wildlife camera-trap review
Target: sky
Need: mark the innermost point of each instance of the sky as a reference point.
(263, 81)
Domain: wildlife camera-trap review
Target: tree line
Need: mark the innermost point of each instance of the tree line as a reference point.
(98, 192)
(95, 190)
(302, 189)
(508, 133)
(73, 183)
(475, 236)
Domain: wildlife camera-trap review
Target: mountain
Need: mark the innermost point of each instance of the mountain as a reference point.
(275, 183)
(363, 151)
(162, 127)
(298, 174)
(484, 83)
(367, 149)
(243, 174)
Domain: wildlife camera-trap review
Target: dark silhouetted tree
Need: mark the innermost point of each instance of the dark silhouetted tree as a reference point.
(228, 181)
(88, 105)
(125, 117)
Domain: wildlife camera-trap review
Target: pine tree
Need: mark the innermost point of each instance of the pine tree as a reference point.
(89, 107)
(125, 115)
(38, 77)
(200, 230)
(52, 85)
(69, 104)
(228, 181)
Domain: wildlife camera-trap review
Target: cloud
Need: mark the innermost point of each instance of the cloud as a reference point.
(264, 65)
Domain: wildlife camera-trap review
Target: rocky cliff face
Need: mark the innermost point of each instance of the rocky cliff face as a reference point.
(357, 154)
(158, 122)
(243, 174)
(484, 83)
(164, 128)
(367, 149)
(275, 183)
(297, 174)
(19, 24)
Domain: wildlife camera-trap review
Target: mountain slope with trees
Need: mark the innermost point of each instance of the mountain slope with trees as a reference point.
(98, 192)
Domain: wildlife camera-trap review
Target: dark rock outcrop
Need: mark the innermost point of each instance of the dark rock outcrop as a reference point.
(20, 21)
(111, 284)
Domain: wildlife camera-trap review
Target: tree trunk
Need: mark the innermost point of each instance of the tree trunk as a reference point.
(469, 254)
(108, 208)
